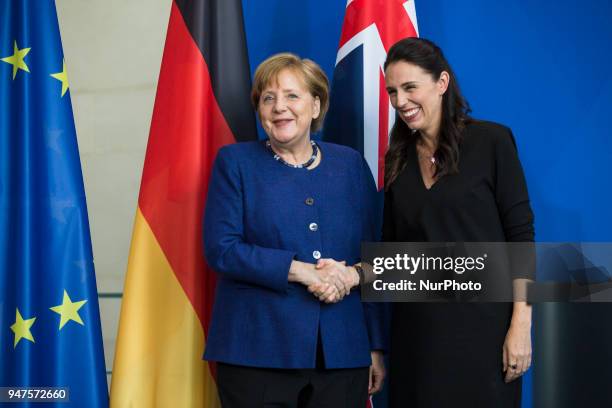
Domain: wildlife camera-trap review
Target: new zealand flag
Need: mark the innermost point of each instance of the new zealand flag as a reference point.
(360, 115)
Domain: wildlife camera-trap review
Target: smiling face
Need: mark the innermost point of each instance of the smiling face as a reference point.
(286, 109)
(416, 95)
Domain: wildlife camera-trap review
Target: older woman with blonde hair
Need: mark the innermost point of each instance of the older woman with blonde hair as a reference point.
(289, 329)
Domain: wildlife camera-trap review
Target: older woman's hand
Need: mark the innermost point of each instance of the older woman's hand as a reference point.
(329, 280)
(336, 280)
(318, 281)
(336, 273)
(325, 292)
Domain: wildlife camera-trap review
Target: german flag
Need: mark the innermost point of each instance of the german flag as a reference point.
(202, 103)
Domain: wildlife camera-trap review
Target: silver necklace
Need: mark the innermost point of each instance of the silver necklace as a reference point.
(313, 157)
(431, 158)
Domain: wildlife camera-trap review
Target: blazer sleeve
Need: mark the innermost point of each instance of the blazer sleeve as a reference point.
(376, 313)
(224, 245)
(513, 205)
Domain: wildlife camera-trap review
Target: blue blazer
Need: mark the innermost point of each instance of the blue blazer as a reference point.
(258, 219)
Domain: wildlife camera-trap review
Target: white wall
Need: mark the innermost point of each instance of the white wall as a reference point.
(113, 51)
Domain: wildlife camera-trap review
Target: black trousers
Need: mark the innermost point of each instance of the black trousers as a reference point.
(252, 387)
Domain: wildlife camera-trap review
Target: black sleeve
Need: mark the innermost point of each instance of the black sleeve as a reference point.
(388, 227)
(513, 205)
(511, 192)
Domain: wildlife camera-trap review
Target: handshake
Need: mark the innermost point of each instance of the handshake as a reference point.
(328, 280)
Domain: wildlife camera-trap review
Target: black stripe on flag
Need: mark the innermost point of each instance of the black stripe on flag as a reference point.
(217, 26)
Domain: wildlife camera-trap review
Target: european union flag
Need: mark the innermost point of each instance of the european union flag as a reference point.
(50, 333)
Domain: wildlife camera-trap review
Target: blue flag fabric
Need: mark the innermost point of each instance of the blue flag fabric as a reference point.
(50, 334)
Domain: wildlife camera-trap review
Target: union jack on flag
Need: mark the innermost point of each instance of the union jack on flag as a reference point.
(360, 115)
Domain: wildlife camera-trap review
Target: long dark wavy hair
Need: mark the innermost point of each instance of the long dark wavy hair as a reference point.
(455, 111)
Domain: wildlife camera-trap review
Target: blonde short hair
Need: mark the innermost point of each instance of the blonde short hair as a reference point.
(309, 71)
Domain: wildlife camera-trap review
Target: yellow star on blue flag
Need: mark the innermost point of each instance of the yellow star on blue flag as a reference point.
(47, 277)
(17, 59)
(68, 310)
(21, 328)
(62, 77)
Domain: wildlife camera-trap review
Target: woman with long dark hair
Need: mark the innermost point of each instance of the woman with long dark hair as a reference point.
(451, 178)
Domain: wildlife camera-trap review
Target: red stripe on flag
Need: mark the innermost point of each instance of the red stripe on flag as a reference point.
(187, 130)
(390, 17)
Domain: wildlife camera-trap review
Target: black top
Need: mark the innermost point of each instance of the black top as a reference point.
(450, 355)
(486, 202)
